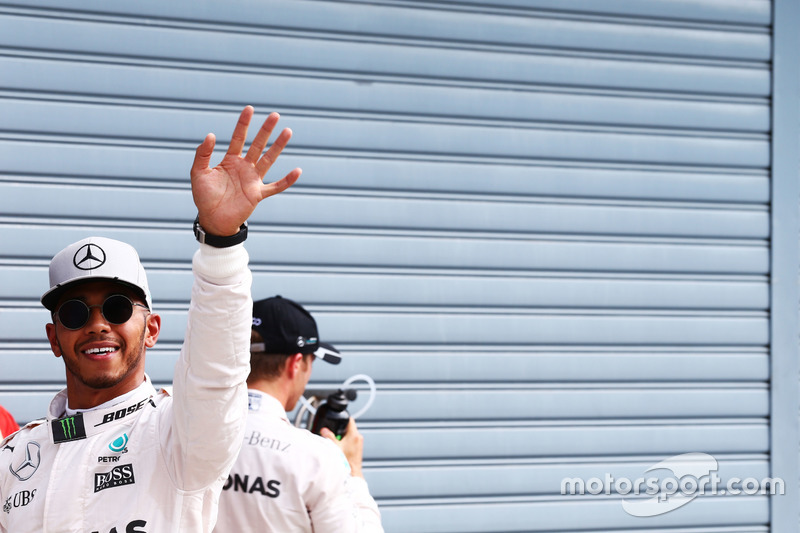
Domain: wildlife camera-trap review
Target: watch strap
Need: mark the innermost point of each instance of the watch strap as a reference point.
(215, 240)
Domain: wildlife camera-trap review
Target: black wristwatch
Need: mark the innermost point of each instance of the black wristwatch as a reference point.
(215, 240)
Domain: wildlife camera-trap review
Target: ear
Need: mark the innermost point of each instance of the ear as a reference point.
(51, 336)
(293, 365)
(153, 326)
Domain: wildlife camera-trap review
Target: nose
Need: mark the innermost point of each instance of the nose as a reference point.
(97, 323)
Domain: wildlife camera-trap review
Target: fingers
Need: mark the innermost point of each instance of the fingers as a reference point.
(328, 434)
(254, 156)
(260, 141)
(202, 156)
(240, 132)
(261, 163)
(355, 435)
(271, 189)
(268, 159)
(352, 437)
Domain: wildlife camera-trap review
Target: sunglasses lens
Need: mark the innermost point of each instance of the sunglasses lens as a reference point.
(117, 309)
(73, 314)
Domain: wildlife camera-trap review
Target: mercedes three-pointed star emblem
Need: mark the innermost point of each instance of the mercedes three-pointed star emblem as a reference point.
(27, 468)
(88, 257)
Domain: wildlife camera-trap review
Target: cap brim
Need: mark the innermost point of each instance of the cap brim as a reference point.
(328, 353)
(51, 297)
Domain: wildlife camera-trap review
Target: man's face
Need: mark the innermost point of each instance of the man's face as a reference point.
(103, 360)
(307, 364)
(301, 380)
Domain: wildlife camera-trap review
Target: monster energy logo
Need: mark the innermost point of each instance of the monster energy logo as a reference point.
(69, 428)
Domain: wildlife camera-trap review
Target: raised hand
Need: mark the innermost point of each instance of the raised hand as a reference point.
(227, 194)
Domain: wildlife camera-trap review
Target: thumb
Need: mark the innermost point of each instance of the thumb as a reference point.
(202, 156)
(328, 434)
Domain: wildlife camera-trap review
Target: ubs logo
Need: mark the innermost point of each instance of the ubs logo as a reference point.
(89, 256)
(30, 464)
(20, 499)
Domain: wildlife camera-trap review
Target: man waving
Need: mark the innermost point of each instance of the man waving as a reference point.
(114, 453)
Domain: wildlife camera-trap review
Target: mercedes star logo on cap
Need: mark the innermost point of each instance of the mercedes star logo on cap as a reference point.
(88, 257)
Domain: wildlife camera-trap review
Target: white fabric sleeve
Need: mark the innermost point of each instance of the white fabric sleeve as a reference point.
(209, 388)
(368, 517)
(342, 503)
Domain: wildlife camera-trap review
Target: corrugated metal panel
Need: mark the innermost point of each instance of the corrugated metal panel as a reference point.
(542, 227)
(785, 253)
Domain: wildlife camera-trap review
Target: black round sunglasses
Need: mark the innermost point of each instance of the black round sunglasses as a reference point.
(116, 309)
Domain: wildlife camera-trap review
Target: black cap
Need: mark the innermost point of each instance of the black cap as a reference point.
(287, 328)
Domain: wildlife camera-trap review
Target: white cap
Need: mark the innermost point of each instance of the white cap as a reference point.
(96, 258)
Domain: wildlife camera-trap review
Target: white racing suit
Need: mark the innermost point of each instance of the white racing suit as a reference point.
(154, 462)
(288, 479)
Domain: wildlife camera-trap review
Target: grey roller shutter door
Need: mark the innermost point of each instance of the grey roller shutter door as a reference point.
(542, 227)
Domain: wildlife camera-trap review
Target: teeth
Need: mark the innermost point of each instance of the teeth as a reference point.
(93, 351)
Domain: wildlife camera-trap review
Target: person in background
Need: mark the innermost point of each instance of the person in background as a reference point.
(286, 478)
(7, 423)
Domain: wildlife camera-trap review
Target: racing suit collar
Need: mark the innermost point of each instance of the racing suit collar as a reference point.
(265, 405)
(87, 423)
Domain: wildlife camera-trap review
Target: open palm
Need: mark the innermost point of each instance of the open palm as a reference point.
(227, 194)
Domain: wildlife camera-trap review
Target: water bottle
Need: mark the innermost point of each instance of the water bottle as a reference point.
(332, 415)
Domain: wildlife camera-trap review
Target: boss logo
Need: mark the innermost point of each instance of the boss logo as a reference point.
(117, 477)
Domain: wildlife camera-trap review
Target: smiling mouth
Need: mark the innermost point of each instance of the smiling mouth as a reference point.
(100, 351)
